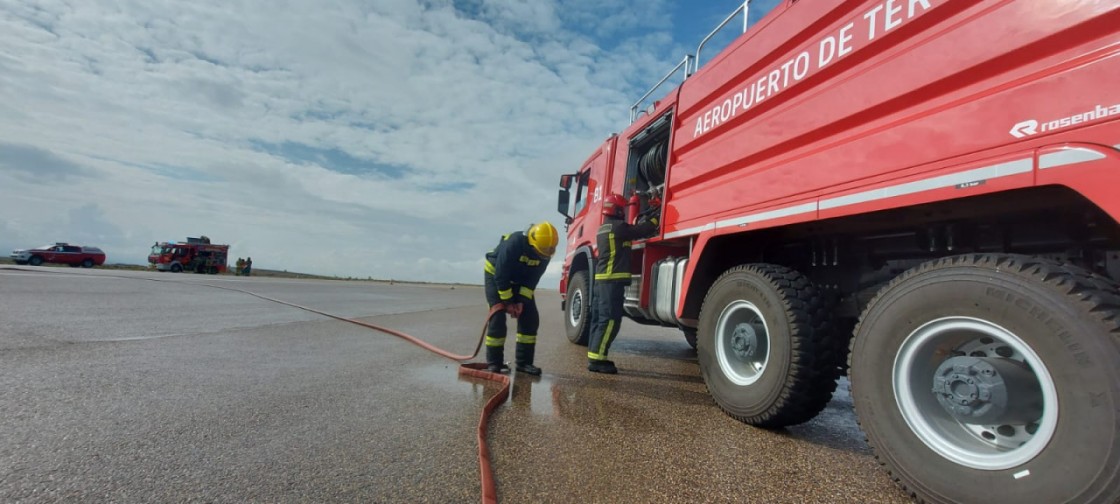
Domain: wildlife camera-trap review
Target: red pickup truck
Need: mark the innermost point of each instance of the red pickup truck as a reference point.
(61, 253)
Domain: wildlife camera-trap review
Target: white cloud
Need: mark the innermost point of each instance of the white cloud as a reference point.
(129, 122)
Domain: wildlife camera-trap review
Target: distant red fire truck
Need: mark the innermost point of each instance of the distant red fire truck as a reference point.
(196, 254)
(922, 193)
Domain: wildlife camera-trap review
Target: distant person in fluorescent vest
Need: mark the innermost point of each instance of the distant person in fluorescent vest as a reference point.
(612, 275)
(512, 271)
(240, 266)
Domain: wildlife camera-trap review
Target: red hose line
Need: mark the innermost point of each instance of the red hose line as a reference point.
(409, 338)
(474, 369)
(478, 370)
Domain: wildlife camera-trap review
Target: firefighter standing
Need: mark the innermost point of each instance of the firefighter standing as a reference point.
(612, 275)
(512, 271)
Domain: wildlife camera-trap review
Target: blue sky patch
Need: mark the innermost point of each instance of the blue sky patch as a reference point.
(692, 23)
(149, 55)
(333, 159)
(199, 55)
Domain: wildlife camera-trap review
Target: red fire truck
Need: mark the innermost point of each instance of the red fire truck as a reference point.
(924, 194)
(197, 255)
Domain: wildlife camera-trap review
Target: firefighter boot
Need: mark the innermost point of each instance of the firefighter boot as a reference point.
(525, 353)
(601, 366)
(494, 357)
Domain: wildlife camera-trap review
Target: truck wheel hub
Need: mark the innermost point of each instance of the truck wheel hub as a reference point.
(987, 390)
(742, 344)
(744, 341)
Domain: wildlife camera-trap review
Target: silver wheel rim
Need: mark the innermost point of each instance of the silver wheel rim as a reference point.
(985, 447)
(742, 343)
(575, 313)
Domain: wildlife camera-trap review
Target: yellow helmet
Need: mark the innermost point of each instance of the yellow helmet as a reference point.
(543, 238)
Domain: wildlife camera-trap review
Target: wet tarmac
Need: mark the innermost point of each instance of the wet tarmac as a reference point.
(653, 434)
(125, 390)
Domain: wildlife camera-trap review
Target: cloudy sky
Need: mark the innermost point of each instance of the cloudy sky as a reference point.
(377, 138)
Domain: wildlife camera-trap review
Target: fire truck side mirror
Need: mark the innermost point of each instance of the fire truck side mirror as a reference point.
(566, 196)
(562, 204)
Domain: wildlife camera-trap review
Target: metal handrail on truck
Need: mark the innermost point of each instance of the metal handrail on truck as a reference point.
(691, 63)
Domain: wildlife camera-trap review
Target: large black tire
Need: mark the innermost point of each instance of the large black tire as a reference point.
(762, 353)
(1050, 331)
(88, 263)
(175, 268)
(577, 310)
(35, 260)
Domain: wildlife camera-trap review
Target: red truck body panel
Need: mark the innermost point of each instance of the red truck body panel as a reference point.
(833, 108)
(912, 98)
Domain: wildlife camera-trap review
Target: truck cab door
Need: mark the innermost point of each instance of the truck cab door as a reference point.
(585, 196)
(575, 193)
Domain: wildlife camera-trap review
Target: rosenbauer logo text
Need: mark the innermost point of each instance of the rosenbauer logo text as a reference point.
(1033, 127)
(883, 18)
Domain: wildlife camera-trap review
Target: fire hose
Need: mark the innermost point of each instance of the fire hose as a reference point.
(470, 369)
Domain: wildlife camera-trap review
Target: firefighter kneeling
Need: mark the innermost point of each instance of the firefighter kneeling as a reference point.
(513, 270)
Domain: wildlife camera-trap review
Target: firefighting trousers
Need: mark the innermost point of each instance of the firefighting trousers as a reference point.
(606, 315)
(496, 331)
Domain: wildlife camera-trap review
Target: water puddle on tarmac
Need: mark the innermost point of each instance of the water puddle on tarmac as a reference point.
(535, 393)
(444, 375)
(560, 397)
(539, 393)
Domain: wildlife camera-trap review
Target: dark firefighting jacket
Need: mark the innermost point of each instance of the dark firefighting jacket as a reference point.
(514, 263)
(614, 239)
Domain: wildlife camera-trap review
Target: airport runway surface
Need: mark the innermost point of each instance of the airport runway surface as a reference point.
(122, 386)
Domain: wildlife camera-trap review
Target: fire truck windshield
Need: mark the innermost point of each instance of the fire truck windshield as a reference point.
(162, 249)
